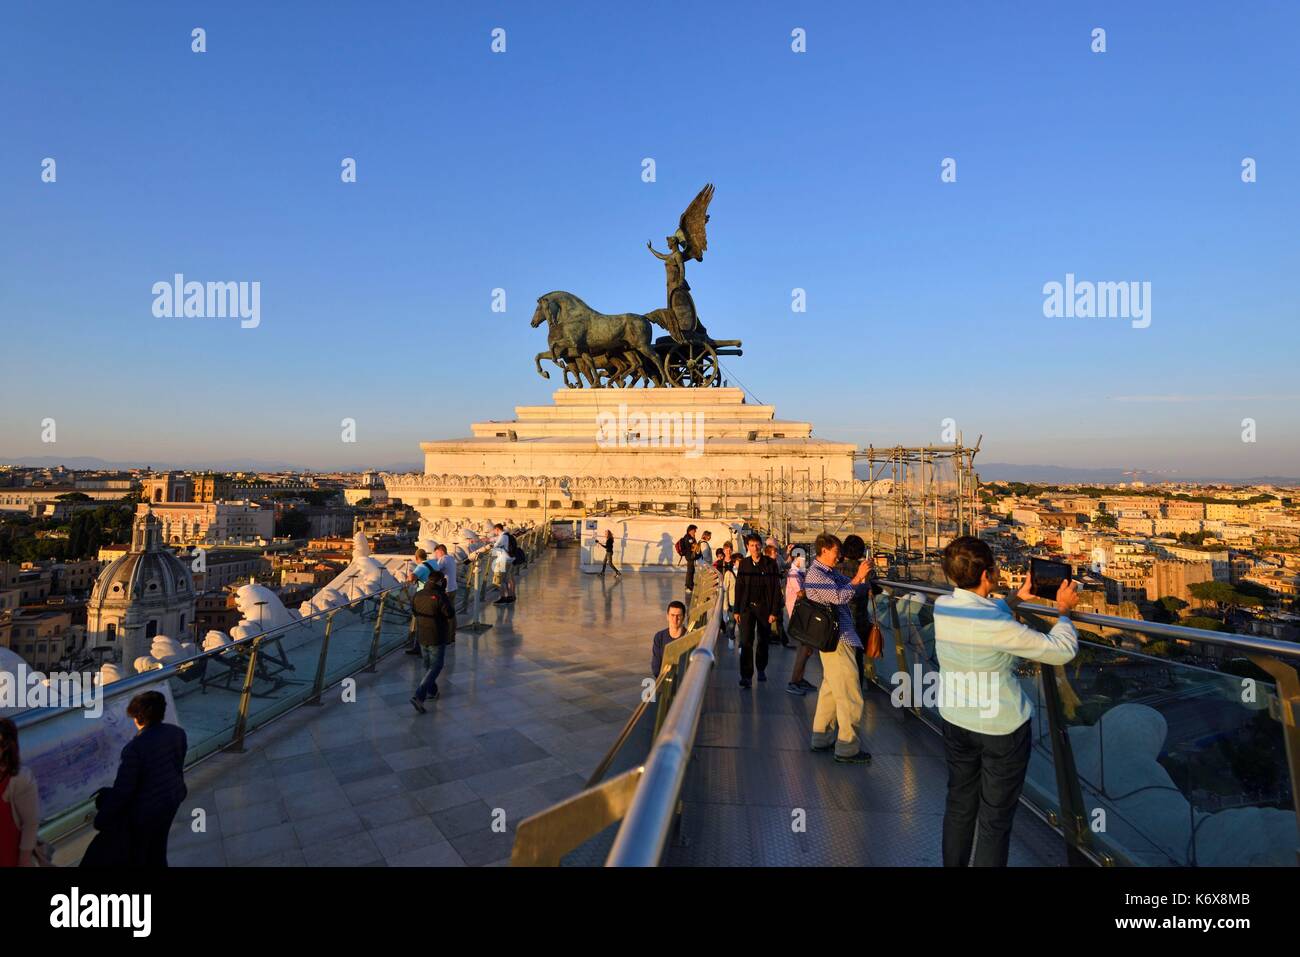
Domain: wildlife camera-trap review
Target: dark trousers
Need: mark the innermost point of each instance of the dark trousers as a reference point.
(800, 659)
(690, 572)
(986, 773)
(609, 562)
(753, 622)
(778, 632)
(149, 840)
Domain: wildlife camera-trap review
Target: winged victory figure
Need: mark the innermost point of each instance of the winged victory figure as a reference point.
(688, 242)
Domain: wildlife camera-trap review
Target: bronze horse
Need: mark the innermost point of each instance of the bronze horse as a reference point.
(576, 333)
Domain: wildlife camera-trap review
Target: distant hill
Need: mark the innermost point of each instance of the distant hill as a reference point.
(1066, 475)
(225, 465)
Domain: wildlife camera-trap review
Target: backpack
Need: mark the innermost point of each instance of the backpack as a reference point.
(680, 546)
(516, 553)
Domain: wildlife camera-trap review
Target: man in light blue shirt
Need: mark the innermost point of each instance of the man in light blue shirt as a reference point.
(447, 565)
(986, 714)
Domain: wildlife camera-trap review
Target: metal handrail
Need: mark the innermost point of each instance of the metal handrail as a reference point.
(607, 761)
(1229, 640)
(640, 841)
(1265, 653)
(662, 690)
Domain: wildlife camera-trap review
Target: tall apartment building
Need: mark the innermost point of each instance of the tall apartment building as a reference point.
(180, 487)
(1177, 526)
(202, 523)
(1227, 513)
(1136, 525)
(1183, 510)
(1125, 582)
(40, 638)
(1117, 504)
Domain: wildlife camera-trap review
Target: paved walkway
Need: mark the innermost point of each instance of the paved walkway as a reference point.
(527, 709)
(752, 772)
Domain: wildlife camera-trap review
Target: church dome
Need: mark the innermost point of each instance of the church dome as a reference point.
(147, 573)
(146, 593)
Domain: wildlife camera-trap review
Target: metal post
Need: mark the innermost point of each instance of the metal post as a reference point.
(374, 642)
(900, 656)
(245, 698)
(1069, 793)
(479, 586)
(1288, 713)
(319, 684)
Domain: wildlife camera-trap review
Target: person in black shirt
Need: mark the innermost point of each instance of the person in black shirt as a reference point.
(676, 628)
(853, 554)
(777, 627)
(758, 604)
(435, 629)
(689, 551)
(608, 545)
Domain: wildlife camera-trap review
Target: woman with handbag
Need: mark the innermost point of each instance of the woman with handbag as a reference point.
(20, 804)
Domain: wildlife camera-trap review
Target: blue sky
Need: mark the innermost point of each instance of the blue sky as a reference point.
(522, 171)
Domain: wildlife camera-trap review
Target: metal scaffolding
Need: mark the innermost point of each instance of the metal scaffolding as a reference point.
(912, 501)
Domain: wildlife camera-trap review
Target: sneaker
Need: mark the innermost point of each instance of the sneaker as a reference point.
(502, 601)
(412, 651)
(761, 676)
(807, 685)
(862, 757)
(744, 682)
(418, 705)
(793, 688)
(821, 747)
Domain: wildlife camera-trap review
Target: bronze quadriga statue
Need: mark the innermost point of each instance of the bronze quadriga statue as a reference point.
(598, 350)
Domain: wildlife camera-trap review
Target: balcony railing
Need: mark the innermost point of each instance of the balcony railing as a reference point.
(1139, 758)
(228, 692)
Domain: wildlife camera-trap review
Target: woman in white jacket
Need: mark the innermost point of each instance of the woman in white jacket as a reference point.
(20, 807)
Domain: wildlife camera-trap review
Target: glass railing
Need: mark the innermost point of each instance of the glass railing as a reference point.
(222, 695)
(217, 696)
(1142, 758)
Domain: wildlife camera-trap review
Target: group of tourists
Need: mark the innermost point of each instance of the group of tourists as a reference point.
(433, 606)
(978, 642)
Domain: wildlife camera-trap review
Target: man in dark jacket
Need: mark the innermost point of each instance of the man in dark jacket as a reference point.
(435, 622)
(150, 784)
(758, 603)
